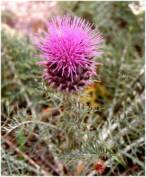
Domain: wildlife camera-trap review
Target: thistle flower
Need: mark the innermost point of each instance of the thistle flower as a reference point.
(67, 50)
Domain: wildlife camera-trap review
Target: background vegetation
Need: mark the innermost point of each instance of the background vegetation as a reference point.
(97, 132)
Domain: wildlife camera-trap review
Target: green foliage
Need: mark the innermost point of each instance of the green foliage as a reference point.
(55, 129)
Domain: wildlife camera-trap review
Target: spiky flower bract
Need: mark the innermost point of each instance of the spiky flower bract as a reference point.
(67, 50)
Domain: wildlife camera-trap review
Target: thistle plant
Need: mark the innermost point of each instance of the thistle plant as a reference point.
(67, 52)
(47, 132)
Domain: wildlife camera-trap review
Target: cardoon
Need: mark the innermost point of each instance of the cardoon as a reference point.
(67, 52)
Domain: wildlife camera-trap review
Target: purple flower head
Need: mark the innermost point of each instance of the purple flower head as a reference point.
(67, 50)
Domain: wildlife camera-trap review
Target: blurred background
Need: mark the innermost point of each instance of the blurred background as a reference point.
(103, 131)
